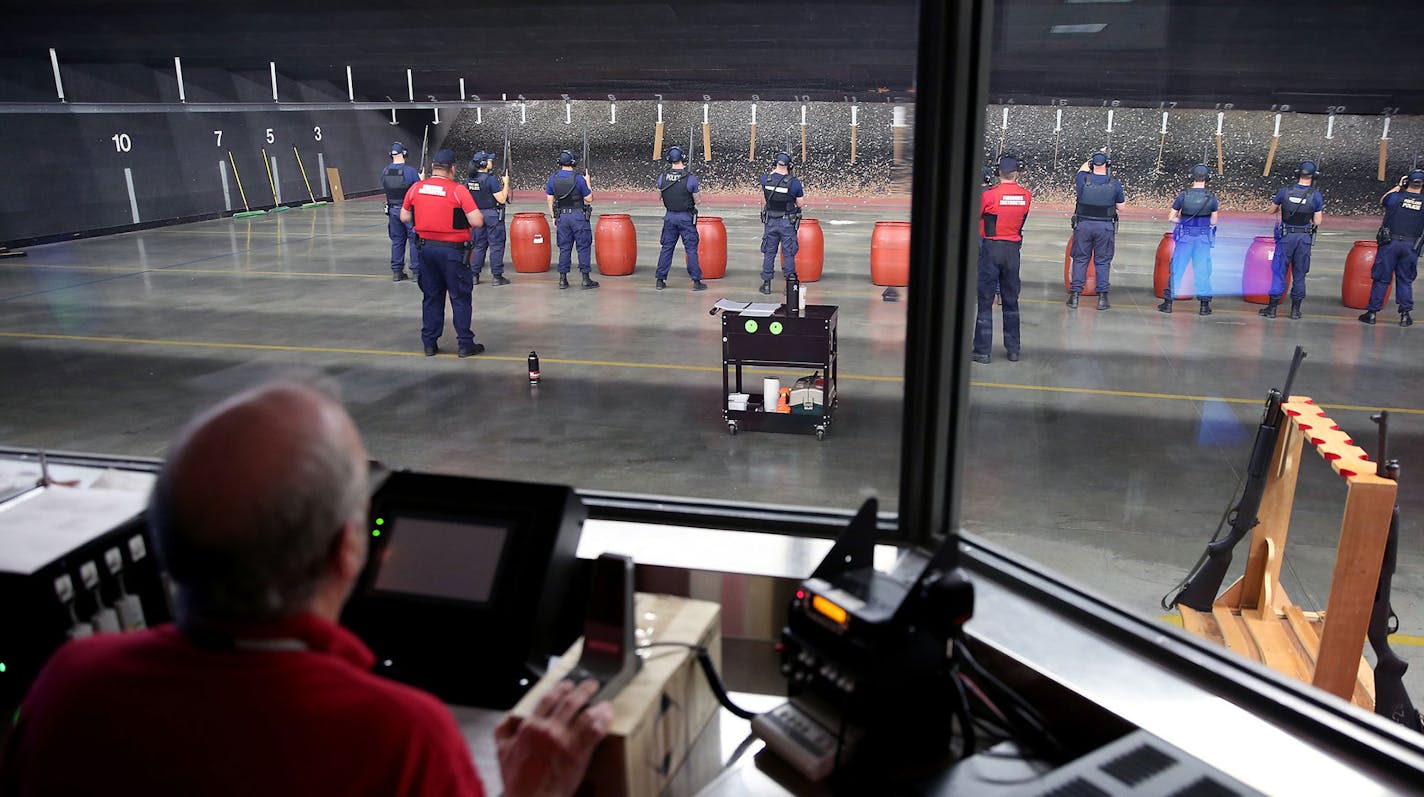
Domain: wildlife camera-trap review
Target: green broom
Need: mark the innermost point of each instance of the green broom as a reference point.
(277, 206)
(247, 211)
(313, 203)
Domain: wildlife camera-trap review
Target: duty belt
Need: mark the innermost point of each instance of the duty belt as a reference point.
(450, 244)
(562, 211)
(1094, 218)
(1403, 238)
(1289, 228)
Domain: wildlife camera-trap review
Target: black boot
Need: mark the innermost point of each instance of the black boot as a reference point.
(698, 285)
(1368, 317)
(588, 282)
(500, 279)
(1166, 305)
(1205, 307)
(1103, 303)
(1295, 308)
(1269, 311)
(1073, 300)
(477, 279)
(563, 281)
(1404, 319)
(660, 284)
(766, 286)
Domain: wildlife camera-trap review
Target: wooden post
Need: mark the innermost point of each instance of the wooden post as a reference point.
(1363, 534)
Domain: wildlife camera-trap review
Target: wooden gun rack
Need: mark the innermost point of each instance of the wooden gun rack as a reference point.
(1255, 617)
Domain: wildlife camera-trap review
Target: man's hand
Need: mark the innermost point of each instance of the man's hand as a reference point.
(546, 754)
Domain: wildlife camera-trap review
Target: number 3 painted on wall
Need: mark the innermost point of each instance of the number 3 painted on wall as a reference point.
(316, 132)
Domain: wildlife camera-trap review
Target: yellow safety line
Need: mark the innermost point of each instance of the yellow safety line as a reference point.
(1407, 640)
(673, 367)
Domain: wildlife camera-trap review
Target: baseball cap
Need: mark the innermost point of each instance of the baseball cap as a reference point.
(1099, 159)
(1008, 164)
(444, 157)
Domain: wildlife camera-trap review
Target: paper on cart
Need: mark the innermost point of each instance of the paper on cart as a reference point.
(760, 309)
(728, 304)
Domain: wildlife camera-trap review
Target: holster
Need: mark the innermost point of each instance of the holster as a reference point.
(1073, 222)
(1177, 233)
(1383, 235)
(419, 243)
(1419, 245)
(466, 250)
(763, 216)
(1280, 232)
(795, 219)
(1211, 238)
(587, 211)
(501, 212)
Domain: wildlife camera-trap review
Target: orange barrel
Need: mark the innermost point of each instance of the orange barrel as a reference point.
(1162, 271)
(890, 254)
(1256, 272)
(811, 254)
(615, 244)
(529, 242)
(1090, 281)
(711, 247)
(1355, 287)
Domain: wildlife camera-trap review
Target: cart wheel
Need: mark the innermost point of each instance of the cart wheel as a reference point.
(820, 433)
(732, 428)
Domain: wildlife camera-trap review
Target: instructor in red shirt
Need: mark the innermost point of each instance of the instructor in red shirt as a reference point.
(259, 516)
(1002, 211)
(444, 212)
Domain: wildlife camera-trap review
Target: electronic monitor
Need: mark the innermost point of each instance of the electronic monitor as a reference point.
(466, 583)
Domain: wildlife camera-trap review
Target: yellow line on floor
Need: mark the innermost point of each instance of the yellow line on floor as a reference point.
(391, 352)
(1407, 640)
(668, 367)
(537, 276)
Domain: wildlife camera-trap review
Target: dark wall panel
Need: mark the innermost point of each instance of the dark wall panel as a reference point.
(71, 177)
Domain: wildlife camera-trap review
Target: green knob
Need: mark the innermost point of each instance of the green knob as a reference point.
(776, 327)
(750, 326)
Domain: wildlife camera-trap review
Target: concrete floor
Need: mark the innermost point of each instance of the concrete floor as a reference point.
(1109, 452)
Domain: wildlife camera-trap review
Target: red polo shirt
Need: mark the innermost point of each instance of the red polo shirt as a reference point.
(435, 201)
(1002, 210)
(153, 712)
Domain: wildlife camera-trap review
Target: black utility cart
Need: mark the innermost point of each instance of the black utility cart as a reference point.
(804, 341)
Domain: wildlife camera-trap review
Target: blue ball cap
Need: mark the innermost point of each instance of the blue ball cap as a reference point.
(675, 155)
(1200, 172)
(1008, 164)
(398, 148)
(443, 157)
(1307, 169)
(1099, 159)
(783, 158)
(1416, 176)
(567, 158)
(481, 157)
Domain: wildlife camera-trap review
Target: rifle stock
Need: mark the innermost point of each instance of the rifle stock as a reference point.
(1200, 589)
(1391, 699)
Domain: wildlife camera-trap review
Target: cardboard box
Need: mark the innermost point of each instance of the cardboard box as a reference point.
(660, 713)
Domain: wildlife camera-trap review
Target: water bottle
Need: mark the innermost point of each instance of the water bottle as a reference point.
(533, 368)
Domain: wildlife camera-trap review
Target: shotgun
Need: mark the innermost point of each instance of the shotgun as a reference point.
(1391, 699)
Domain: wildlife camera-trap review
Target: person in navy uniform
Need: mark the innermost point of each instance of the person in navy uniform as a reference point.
(396, 180)
(1003, 208)
(491, 194)
(678, 187)
(571, 203)
(443, 211)
(780, 216)
(1194, 211)
(1100, 198)
(1400, 237)
(1301, 208)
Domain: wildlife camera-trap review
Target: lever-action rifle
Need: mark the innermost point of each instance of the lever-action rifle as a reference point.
(1391, 700)
(1201, 587)
(587, 206)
